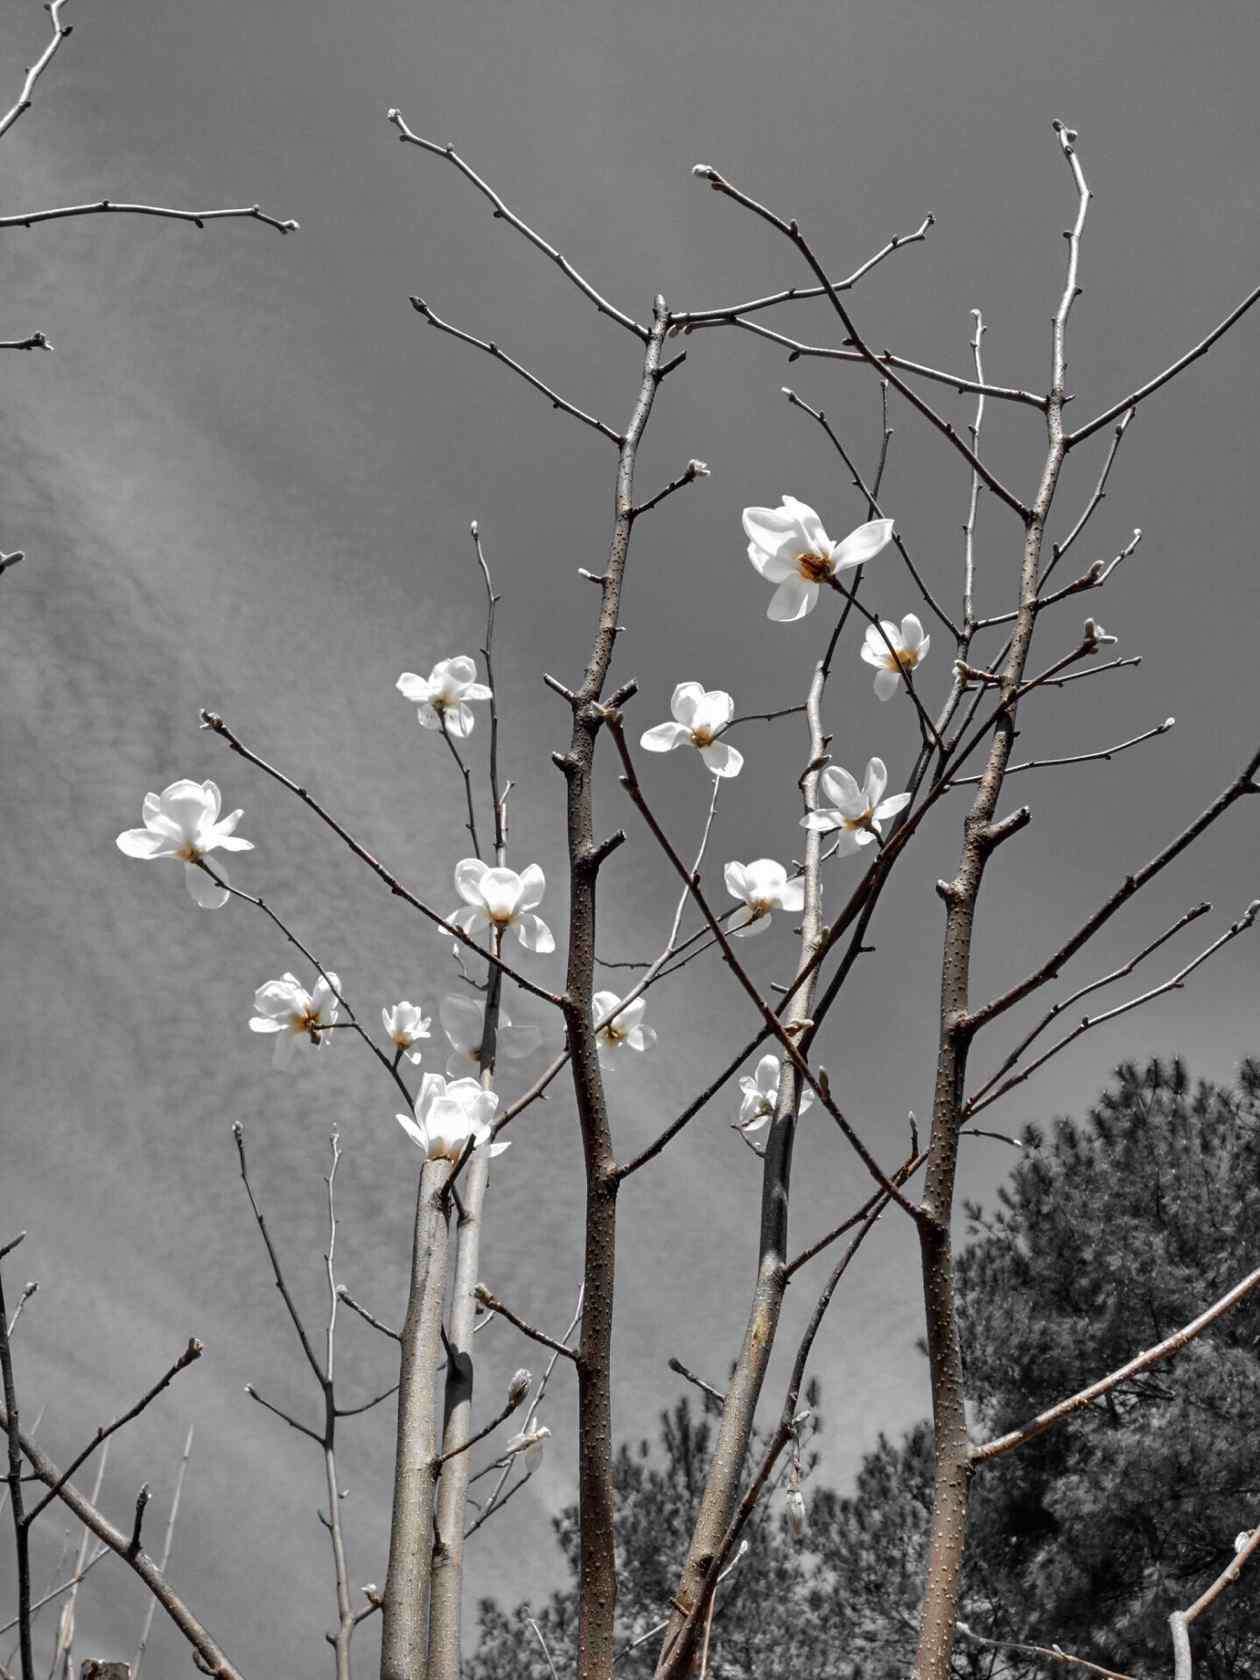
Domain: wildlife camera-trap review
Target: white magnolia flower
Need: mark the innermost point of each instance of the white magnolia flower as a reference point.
(761, 1095)
(183, 822)
(442, 697)
(448, 1113)
(856, 811)
(788, 546)
(530, 1441)
(285, 1007)
(904, 650)
(763, 885)
(700, 716)
(404, 1024)
(502, 899)
(464, 1020)
(626, 1031)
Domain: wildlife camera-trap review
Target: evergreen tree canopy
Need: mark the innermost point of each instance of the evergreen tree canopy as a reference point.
(1111, 1234)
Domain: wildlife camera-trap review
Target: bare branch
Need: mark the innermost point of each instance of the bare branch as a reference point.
(690, 320)
(111, 207)
(165, 1558)
(1142, 1362)
(32, 341)
(26, 98)
(356, 1306)
(492, 1304)
(1105, 753)
(1058, 550)
(213, 722)
(1153, 385)
(502, 213)
(492, 349)
(1047, 1653)
(690, 473)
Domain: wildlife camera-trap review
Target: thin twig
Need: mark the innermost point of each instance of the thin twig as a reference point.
(1104, 754)
(25, 99)
(165, 1558)
(492, 1304)
(492, 349)
(504, 214)
(111, 207)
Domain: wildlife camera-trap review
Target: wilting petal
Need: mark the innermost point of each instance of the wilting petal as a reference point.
(723, 760)
(792, 600)
(664, 737)
(863, 544)
(205, 893)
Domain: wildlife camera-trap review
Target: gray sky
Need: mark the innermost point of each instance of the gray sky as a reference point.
(244, 480)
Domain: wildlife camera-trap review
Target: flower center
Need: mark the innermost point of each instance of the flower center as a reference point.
(901, 659)
(864, 821)
(760, 906)
(815, 568)
(613, 1033)
(188, 852)
(702, 736)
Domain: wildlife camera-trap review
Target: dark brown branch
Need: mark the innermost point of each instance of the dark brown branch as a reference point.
(369, 1318)
(690, 473)
(677, 1366)
(33, 341)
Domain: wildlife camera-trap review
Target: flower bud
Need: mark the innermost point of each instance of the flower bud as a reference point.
(519, 1387)
(794, 1510)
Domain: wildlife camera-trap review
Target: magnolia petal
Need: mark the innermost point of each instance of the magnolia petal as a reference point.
(850, 840)
(468, 876)
(416, 1133)
(773, 567)
(821, 822)
(714, 711)
(876, 780)
(186, 804)
(428, 717)
(533, 886)
(912, 636)
(228, 842)
(412, 687)
(205, 893)
(792, 896)
(736, 878)
(664, 737)
(723, 760)
(459, 721)
(460, 670)
(493, 1149)
(533, 933)
(886, 684)
(841, 788)
(792, 600)
(468, 919)
(863, 544)
(146, 843)
(774, 531)
(757, 1122)
(873, 650)
(747, 922)
(810, 525)
(500, 891)
(265, 1024)
(890, 807)
(684, 700)
(641, 1038)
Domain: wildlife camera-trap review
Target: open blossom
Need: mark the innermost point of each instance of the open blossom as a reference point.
(404, 1024)
(763, 885)
(183, 822)
(856, 811)
(760, 1092)
(502, 899)
(700, 716)
(448, 1113)
(788, 546)
(626, 1031)
(463, 1021)
(894, 653)
(442, 697)
(530, 1441)
(297, 1016)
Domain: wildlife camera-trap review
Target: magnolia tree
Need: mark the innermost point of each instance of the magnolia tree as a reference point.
(967, 677)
